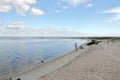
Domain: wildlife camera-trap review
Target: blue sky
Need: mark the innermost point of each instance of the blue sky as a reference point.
(84, 16)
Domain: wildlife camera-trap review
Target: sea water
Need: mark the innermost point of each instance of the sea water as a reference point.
(20, 53)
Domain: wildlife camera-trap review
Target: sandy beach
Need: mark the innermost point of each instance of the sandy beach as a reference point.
(100, 62)
(94, 62)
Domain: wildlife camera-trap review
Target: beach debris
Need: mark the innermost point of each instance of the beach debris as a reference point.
(42, 61)
(93, 42)
(81, 47)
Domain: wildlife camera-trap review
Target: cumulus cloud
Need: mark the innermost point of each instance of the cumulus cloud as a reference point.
(5, 8)
(15, 25)
(21, 6)
(115, 12)
(23, 9)
(35, 11)
(77, 2)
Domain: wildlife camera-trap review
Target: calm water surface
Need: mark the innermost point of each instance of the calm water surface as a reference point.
(18, 54)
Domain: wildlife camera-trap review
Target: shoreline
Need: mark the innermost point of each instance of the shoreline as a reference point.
(100, 62)
(69, 56)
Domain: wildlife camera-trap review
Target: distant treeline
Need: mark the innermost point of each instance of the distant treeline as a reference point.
(100, 37)
(59, 37)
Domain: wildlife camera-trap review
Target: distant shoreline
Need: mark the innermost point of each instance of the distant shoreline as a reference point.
(59, 37)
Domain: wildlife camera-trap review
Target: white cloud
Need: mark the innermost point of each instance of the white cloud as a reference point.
(35, 11)
(76, 2)
(21, 6)
(65, 7)
(23, 2)
(115, 12)
(115, 18)
(67, 4)
(5, 1)
(5, 8)
(57, 11)
(23, 9)
(89, 5)
(20, 29)
(15, 25)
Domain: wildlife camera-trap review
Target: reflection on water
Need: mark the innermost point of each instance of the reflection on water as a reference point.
(16, 55)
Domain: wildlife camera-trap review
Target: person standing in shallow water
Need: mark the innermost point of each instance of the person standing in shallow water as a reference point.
(75, 46)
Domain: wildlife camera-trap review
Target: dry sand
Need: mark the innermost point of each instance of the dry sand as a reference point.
(101, 62)
(95, 62)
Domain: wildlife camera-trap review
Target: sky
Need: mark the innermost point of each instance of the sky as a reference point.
(59, 17)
